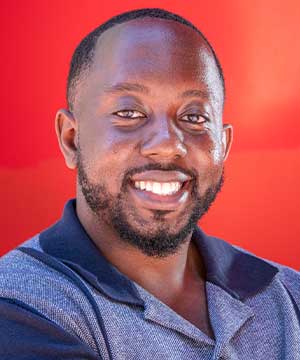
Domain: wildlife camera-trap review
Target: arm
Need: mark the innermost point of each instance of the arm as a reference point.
(25, 334)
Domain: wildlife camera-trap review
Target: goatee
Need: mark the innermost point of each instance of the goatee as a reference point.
(163, 242)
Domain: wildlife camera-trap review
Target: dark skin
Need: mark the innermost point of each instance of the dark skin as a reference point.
(168, 124)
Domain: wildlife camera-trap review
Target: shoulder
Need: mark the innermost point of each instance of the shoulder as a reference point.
(285, 272)
(32, 277)
(27, 334)
(43, 288)
(288, 277)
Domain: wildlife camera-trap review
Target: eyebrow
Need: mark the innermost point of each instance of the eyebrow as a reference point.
(195, 93)
(135, 87)
(127, 87)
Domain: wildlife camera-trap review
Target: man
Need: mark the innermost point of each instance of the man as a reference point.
(126, 273)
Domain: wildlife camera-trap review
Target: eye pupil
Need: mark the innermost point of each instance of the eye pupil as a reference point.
(194, 118)
(130, 114)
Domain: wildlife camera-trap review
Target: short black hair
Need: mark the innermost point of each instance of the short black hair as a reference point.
(83, 55)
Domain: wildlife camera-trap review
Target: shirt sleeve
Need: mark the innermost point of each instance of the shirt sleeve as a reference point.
(25, 334)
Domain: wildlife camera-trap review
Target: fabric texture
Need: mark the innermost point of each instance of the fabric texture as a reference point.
(61, 299)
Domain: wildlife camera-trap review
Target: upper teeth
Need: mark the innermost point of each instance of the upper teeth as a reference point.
(166, 188)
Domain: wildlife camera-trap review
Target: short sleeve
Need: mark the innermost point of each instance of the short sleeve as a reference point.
(25, 334)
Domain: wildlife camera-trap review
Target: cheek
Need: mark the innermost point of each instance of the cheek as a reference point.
(217, 154)
(207, 159)
(208, 150)
(107, 157)
(104, 141)
(215, 147)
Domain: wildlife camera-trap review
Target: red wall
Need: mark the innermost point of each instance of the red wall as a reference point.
(258, 45)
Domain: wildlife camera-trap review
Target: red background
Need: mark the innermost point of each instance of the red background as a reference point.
(258, 45)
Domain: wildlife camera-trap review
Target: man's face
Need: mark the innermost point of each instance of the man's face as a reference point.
(150, 154)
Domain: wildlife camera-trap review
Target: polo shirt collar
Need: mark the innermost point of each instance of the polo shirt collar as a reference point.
(68, 241)
(237, 272)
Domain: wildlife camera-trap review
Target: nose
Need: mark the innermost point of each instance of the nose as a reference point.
(165, 142)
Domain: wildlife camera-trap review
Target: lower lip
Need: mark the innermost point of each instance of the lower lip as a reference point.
(149, 200)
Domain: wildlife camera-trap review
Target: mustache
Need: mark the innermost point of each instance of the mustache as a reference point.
(161, 167)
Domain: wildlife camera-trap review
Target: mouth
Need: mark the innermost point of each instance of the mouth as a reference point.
(156, 190)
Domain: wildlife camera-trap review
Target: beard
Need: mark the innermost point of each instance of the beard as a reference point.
(160, 240)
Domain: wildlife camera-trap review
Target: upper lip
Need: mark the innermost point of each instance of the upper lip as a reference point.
(161, 176)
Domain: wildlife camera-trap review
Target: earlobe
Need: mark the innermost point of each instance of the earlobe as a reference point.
(227, 137)
(66, 128)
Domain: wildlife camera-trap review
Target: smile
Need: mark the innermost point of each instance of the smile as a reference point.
(160, 190)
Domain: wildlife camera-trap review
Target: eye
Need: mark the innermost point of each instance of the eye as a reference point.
(194, 118)
(130, 114)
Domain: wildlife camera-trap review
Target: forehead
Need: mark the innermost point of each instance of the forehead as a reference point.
(157, 52)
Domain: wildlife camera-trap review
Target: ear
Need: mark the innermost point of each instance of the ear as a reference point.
(227, 137)
(66, 128)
